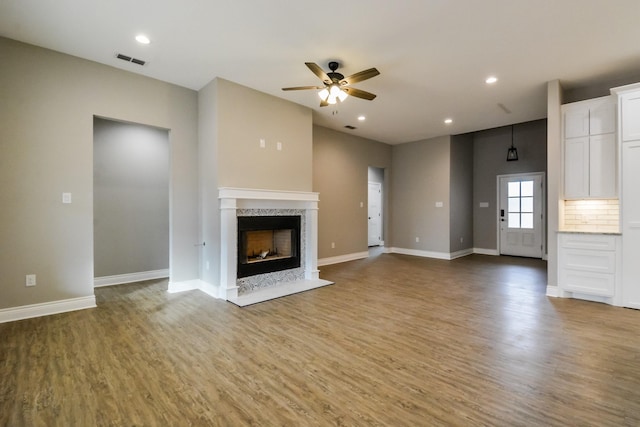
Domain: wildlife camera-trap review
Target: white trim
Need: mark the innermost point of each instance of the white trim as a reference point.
(257, 194)
(342, 258)
(190, 285)
(120, 279)
(483, 251)
(553, 291)
(46, 308)
(461, 253)
(420, 253)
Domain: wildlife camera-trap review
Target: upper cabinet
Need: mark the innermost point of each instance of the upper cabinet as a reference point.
(630, 115)
(590, 155)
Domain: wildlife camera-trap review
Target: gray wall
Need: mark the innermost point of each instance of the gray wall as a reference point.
(489, 160)
(420, 173)
(461, 193)
(340, 174)
(48, 103)
(130, 198)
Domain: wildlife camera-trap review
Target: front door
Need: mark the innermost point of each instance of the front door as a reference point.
(520, 214)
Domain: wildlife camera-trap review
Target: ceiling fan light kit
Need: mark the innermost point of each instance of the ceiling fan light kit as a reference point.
(336, 86)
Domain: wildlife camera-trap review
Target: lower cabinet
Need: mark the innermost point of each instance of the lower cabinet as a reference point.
(589, 267)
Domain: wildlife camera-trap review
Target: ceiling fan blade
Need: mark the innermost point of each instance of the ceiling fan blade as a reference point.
(358, 93)
(318, 71)
(358, 77)
(302, 87)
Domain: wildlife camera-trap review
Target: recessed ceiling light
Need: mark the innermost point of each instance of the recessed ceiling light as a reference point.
(362, 118)
(448, 121)
(141, 38)
(491, 80)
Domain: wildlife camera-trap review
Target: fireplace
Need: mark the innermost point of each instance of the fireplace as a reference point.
(267, 244)
(267, 209)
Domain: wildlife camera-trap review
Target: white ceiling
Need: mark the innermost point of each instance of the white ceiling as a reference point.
(433, 55)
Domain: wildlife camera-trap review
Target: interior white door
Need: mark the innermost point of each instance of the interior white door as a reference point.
(520, 215)
(375, 214)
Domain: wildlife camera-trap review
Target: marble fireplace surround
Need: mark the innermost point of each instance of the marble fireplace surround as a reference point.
(236, 202)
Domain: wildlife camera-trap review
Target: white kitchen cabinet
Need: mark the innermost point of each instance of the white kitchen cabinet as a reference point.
(590, 155)
(631, 223)
(588, 265)
(629, 131)
(630, 116)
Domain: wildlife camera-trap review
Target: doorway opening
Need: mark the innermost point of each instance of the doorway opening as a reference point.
(375, 205)
(521, 225)
(130, 202)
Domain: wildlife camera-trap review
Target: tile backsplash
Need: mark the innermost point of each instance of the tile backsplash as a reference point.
(601, 215)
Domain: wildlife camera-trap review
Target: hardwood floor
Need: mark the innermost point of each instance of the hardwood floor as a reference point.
(397, 341)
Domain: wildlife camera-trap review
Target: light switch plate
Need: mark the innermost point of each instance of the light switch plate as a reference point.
(66, 197)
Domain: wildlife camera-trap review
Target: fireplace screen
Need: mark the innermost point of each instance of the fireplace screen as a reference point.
(267, 244)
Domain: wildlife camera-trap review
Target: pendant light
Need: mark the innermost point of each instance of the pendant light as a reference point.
(512, 153)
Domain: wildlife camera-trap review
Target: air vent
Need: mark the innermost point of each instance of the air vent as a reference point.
(130, 59)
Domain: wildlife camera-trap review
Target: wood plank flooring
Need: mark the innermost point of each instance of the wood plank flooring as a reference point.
(397, 341)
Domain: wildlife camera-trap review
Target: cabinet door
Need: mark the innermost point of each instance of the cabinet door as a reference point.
(630, 111)
(602, 166)
(576, 121)
(630, 225)
(576, 168)
(602, 117)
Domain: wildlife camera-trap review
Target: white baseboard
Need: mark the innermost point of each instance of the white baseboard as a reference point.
(342, 258)
(120, 279)
(553, 291)
(420, 253)
(46, 308)
(483, 251)
(190, 285)
(460, 254)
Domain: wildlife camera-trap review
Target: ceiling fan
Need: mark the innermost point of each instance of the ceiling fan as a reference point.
(336, 86)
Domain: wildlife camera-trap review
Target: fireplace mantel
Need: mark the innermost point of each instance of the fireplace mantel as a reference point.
(234, 199)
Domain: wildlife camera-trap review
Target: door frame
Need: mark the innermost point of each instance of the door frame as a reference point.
(543, 208)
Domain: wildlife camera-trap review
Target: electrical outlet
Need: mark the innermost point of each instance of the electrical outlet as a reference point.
(31, 280)
(417, 239)
(333, 245)
(279, 146)
(263, 143)
(462, 240)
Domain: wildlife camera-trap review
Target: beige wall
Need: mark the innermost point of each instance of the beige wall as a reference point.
(232, 120)
(340, 175)
(420, 174)
(46, 148)
(244, 116)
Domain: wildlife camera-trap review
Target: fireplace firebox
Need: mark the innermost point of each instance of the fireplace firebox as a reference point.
(267, 244)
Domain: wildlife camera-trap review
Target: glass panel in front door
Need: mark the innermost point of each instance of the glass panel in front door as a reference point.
(520, 204)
